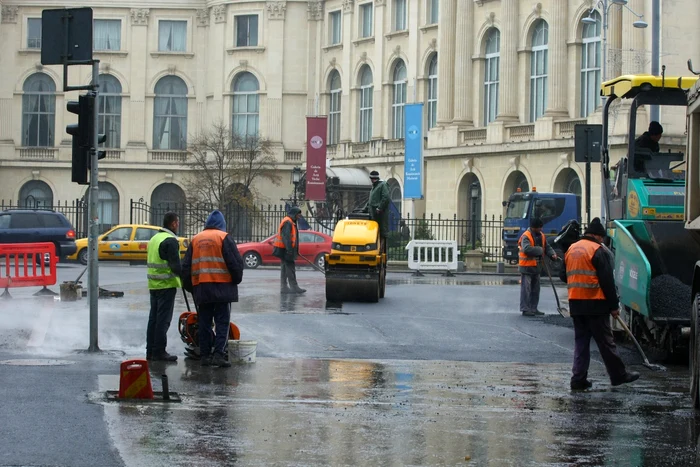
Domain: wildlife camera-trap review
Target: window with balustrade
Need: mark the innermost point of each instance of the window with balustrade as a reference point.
(491, 74)
(398, 100)
(591, 66)
(366, 97)
(334, 108)
(109, 110)
(246, 105)
(38, 111)
(539, 63)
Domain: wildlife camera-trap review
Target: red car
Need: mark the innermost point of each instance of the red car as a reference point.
(312, 246)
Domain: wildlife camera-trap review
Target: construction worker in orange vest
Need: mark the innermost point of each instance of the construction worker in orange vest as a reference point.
(212, 270)
(286, 248)
(592, 300)
(531, 247)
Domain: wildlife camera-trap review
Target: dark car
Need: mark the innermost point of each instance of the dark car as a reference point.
(37, 226)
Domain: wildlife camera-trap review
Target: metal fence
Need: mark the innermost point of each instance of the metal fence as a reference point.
(76, 212)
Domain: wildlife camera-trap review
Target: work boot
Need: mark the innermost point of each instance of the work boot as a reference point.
(581, 385)
(220, 361)
(206, 361)
(628, 378)
(298, 290)
(164, 357)
(285, 290)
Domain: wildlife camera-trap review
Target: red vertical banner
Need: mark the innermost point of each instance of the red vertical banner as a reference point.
(316, 131)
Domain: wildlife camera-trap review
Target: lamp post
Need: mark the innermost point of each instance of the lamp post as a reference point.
(605, 6)
(296, 178)
(474, 192)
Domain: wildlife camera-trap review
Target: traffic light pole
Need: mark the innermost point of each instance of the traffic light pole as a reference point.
(93, 271)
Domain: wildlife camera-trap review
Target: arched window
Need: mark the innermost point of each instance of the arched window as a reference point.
(170, 114)
(590, 66)
(432, 91)
(109, 107)
(334, 108)
(35, 194)
(399, 100)
(38, 111)
(366, 94)
(246, 105)
(165, 198)
(538, 70)
(491, 75)
(107, 206)
(520, 181)
(395, 195)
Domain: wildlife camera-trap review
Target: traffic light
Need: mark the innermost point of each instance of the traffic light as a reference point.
(83, 133)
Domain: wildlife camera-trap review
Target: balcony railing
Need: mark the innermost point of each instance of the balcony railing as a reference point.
(114, 154)
(477, 135)
(38, 154)
(360, 149)
(521, 132)
(177, 157)
(565, 128)
(293, 156)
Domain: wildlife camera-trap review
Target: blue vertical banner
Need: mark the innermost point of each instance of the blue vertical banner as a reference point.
(413, 159)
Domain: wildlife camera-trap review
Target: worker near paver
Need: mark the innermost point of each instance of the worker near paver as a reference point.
(532, 245)
(163, 273)
(378, 205)
(648, 140)
(592, 299)
(286, 248)
(214, 266)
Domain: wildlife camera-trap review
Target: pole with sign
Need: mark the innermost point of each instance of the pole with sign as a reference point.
(316, 130)
(413, 156)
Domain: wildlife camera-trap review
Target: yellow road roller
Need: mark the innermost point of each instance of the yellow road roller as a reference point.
(356, 266)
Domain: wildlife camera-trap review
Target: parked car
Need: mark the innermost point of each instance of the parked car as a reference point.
(312, 245)
(37, 226)
(127, 242)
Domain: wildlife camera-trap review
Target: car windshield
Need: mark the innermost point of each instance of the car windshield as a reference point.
(518, 208)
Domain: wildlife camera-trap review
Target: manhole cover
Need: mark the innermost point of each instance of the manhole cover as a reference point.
(36, 362)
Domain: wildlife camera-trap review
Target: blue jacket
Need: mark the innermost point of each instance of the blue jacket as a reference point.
(216, 292)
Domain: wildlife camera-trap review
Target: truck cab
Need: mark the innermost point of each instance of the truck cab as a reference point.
(555, 210)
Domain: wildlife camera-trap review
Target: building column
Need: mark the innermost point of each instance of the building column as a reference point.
(446, 50)
(276, 13)
(137, 81)
(508, 85)
(463, 94)
(348, 109)
(558, 61)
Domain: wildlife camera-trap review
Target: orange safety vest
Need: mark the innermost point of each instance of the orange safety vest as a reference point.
(525, 260)
(278, 240)
(581, 276)
(208, 263)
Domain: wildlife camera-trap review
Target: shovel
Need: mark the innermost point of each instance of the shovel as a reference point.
(562, 310)
(646, 363)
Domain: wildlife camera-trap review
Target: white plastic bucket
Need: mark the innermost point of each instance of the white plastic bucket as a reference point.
(242, 351)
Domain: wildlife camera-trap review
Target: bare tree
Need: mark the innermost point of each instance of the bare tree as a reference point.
(224, 167)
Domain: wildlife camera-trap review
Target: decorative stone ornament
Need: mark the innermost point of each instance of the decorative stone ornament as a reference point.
(276, 10)
(348, 6)
(314, 10)
(219, 12)
(139, 16)
(9, 13)
(203, 17)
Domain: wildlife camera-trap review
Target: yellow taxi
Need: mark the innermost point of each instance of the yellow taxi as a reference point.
(126, 242)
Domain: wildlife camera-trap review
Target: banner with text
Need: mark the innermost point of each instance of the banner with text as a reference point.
(413, 161)
(316, 130)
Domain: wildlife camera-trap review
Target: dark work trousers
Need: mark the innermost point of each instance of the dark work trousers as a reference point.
(220, 314)
(597, 327)
(159, 318)
(529, 292)
(288, 273)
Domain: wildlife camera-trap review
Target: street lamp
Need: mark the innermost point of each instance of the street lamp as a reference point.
(474, 192)
(639, 24)
(296, 178)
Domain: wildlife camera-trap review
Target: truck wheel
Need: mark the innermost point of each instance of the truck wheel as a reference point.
(83, 256)
(694, 350)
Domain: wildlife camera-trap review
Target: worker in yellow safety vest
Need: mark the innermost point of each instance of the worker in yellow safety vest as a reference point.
(532, 245)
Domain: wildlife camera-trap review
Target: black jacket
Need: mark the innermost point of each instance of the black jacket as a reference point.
(216, 292)
(603, 264)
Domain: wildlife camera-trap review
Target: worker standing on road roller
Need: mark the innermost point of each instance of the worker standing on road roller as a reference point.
(379, 200)
(163, 263)
(531, 248)
(214, 266)
(592, 299)
(286, 248)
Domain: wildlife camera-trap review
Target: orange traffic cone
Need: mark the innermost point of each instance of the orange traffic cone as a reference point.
(134, 380)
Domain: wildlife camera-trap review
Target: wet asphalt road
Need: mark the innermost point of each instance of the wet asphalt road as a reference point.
(442, 372)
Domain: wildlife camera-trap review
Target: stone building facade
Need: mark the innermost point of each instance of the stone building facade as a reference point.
(503, 83)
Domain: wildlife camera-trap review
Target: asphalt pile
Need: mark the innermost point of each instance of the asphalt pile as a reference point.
(669, 297)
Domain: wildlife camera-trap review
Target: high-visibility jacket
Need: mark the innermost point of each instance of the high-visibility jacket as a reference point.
(208, 263)
(525, 260)
(159, 274)
(581, 275)
(279, 241)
